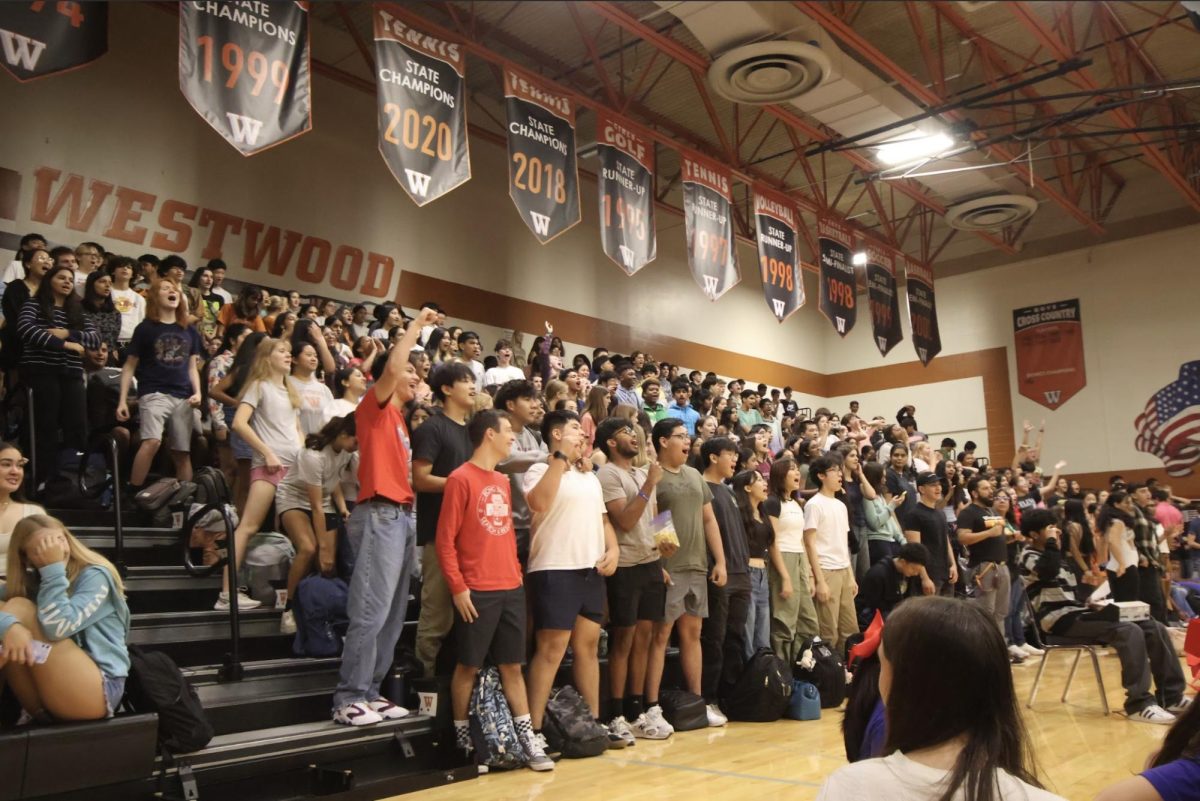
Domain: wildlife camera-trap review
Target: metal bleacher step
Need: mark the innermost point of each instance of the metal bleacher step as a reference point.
(201, 637)
(157, 588)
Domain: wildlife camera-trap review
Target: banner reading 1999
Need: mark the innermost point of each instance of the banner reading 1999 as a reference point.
(421, 95)
(708, 225)
(542, 179)
(838, 286)
(626, 193)
(778, 258)
(883, 298)
(40, 39)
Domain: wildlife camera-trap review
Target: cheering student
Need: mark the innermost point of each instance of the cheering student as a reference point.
(504, 371)
(750, 491)
(927, 525)
(826, 540)
(315, 397)
(793, 615)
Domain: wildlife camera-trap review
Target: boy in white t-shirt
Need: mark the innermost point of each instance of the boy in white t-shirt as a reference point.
(826, 540)
(127, 301)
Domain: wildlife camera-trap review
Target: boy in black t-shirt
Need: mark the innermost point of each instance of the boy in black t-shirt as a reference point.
(927, 525)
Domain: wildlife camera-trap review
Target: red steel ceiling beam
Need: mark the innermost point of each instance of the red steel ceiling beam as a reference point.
(1050, 40)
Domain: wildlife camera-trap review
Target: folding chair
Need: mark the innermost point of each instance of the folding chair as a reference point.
(1050, 643)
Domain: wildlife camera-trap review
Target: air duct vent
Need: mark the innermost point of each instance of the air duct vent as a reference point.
(990, 213)
(768, 72)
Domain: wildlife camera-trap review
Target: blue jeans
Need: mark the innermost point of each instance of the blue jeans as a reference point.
(1014, 628)
(384, 543)
(758, 621)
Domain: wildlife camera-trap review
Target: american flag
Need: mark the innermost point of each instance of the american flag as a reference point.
(1169, 426)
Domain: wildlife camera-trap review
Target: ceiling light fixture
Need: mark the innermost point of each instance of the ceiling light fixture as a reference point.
(859, 259)
(903, 151)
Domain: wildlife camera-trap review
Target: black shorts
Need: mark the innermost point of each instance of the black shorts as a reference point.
(560, 596)
(498, 632)
(637, 593)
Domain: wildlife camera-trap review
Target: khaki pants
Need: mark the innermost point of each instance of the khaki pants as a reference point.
(837, 616)
(992, 593)
(437, 610)
(793, 619)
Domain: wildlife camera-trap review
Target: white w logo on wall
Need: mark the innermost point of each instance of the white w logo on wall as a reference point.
(418, 182)
(1052, 396)
(626, 256)
(245, 129)
(779, 306)
(541, 223)
(21, 51)
(710, 285)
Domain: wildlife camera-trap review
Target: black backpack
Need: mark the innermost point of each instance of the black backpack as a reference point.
(165, 503)
(820, 666)
(156, 685)
(211, 486)
(685, 711)
(570, 728)
(763, 692)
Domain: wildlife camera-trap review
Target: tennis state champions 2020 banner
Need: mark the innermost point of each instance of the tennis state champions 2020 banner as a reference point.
(883, 299)
(838, 285)
(778, 258)
(626, 193)
(421, 96)
(708, 224)
(1049, 346)
(542, 179)
(244, 67)
(40, 39)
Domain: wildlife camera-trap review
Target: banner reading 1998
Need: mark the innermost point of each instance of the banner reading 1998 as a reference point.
(40, 39)
(838, 285)
(778, 258)
(244, 67)
(626, 193)
(542, 179)
(922, 311)
(421, 96)
(708, 225)
(883, 299)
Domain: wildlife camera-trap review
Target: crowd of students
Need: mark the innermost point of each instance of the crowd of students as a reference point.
(539, 500)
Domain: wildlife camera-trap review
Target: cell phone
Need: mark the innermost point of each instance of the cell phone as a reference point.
(41, 652)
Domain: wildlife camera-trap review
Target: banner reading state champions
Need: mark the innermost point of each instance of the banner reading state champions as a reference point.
(542, 179)
(708, 225)
(778, 258)
(1049, 346)
(838, 285)
(244, 67)
(626, 193)
(421, 95)
(883, 299)
(922, 310)
(40, 39)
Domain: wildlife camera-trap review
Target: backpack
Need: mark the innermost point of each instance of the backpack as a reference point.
(266, 563)
(763, 691)
(570, 728)
(321, 620)
(685, 711)
(156, 685)
(493, 733)
(805, 703)
(211, 486)
(166, 502)
(820, 666)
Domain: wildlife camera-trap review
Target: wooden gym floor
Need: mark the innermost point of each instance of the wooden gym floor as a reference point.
(1079, 751)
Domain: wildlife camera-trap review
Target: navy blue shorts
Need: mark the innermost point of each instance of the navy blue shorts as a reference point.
(560, 596)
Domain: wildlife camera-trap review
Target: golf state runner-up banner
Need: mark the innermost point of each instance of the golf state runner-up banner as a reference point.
(708, 225)
(922, 310)
(245, 69)
(778, 256)
(883, 298)
(626, 193)
(40, 39)
(838, 285)
(421, 96)
(1049, 340)
(542, 179)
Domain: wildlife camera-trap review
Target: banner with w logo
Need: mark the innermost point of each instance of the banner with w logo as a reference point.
(922, 310)
(245, 69)
(542, 178)
(838, 283)
(421, 97)
(1049, 348)
(626, 193)
(40, 39)
(883, 299)
(778, 257)
(708, 225)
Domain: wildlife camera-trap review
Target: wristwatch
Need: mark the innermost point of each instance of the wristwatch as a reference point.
(561, 455)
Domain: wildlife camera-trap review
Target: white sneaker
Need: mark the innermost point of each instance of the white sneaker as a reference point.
(386, 709)
(287, 622)
(620, 727)
(244, 601)
(644, 728)
(715, 717)
(654, 716)
(1181, 707)
(1017, 654)
(535, 753)
(359, 714)
(1031, 650)
(1154, 714)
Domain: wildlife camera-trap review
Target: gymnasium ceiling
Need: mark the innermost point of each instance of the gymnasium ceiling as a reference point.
(1125, 162)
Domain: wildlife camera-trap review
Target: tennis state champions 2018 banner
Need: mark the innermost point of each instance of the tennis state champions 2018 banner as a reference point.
(40, 39)
(542, 179)
(708, 225)
(883, 299)
(421, 96)
(244, 67)
(778, 258)
(838, 285)
(922, 310)
(1049, 346)
(626, 193)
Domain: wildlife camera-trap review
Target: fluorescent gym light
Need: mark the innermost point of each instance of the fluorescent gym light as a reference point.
(859, 259)
(903, 151)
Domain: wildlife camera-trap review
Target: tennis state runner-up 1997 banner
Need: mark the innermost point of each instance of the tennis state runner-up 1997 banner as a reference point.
(40, 39)
(1049, 345)
(708, 225)
(778, 257)
(244, 67)
(626, 193)
(421, 97)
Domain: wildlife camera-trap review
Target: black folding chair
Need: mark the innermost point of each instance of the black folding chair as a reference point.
(1050, 643)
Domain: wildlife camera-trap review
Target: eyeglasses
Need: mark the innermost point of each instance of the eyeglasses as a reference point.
(9, 464)
(680, 436)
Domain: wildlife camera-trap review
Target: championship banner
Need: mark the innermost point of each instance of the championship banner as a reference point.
(1049, 345)
(40, 39)
(626, 193)
(244, 67)
(708, 225)
(778, 257)
(838, 285)
(542, 179)
(883, 298)
(421, 97)
(922, 310)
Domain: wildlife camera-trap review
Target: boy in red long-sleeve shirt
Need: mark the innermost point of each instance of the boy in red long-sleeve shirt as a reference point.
(477, 549)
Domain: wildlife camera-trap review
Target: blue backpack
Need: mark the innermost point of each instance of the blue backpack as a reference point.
(493, 733)
(805, 703)
(321, 620)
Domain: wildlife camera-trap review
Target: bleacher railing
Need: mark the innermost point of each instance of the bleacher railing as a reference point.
(232, 669)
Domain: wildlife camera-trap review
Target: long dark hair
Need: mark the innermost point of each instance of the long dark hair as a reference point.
(300, 335)
(91, 300)
(740, 482)
(1183, 738)
(241, 304)
(1109, 512)
(945, 649)
(242, 361)
(779, 471)
(1073, 512)
(232, 332)
(72, 306)
(862, 697)
(195, 280)
(17, 495)
(874, 472)
(335, 428)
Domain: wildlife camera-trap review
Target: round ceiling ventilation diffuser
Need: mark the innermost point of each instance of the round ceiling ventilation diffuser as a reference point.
(990, 213)
(768, 72)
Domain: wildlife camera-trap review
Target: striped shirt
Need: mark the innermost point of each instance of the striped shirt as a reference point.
(44, 351)
(1050, 585)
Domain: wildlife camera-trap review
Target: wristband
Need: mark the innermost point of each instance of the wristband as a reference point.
(642, 494)
(561, 455)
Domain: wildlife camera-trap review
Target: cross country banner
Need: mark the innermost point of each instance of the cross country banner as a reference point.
(421, 96)
(245, 69)
(1049, 346)
(708, 224)
(883, 298)
(626, 193)
(542, 178)
(775, 218)
(838, 284)
(40, 39)
(922, 310)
